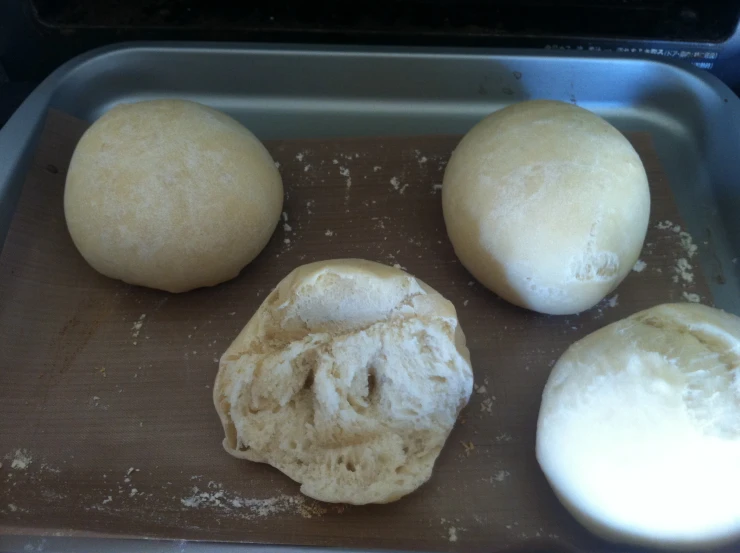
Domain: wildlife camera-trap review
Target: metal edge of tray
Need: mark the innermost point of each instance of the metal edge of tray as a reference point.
(715, 126)
(53, 544)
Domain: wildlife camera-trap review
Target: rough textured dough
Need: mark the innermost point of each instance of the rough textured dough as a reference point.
(547, 205)
(348, 379)
(639, 428)
(171, 194)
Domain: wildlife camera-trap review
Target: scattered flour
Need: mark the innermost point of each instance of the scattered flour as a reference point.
(345, 173)
(687, 242)
(639, 266)
(436, 187)
(452, 533)
(217, 498)
(299, 157)
(136, 327)
(395, 183)
(500, 476)
(613, 301)
(329, 232)
(379, 224)
(376, 168)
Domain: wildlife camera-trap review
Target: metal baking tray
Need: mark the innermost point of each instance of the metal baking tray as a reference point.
(301, 92)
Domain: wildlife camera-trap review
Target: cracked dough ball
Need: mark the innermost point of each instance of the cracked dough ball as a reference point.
(639, 428)
(348, 378)
(171, 194)
(547, 205)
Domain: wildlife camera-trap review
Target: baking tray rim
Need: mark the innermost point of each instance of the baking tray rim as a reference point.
(20, 133)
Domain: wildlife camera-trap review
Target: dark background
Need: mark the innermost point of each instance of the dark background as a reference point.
(36, 36)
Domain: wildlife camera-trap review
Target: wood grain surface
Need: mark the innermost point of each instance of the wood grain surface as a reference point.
(106, 419)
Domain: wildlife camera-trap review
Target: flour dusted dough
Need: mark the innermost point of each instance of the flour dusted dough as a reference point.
(547, 205)
(348, 379)
(639, 429)
(170, 194)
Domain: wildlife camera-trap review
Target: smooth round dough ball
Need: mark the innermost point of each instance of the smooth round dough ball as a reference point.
(639, 429)
(348, 378)
(547, 205)
(171, 194)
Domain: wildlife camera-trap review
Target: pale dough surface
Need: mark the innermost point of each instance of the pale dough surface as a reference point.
(171, 194)
(639, 428)
(348, 379)
(547, 205)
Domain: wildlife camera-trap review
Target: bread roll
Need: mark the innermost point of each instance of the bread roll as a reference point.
(348, 379)
(639, 429)
(170, 194)
(547, 205)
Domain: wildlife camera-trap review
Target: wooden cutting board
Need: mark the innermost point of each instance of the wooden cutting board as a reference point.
(106, 419)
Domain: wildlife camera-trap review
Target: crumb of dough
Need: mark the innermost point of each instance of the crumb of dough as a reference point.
(693, 298)
(684, 269)
(21, 460)
(468, 446)
(639, 266)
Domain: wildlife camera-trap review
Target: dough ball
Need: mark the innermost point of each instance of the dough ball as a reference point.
(348, 378)
(639, 428)
(547, 205)
(171, 194)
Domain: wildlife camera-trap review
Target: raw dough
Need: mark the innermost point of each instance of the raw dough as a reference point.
(639, 429)
(171, 194)
(348, 379)
(547, 205)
